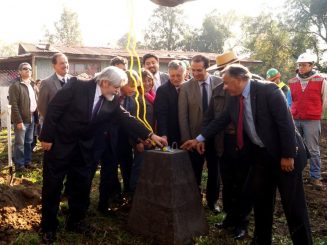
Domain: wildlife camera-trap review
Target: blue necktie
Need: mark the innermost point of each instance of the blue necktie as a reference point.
(97, 107)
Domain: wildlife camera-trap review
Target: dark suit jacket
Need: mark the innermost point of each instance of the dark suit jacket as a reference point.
(164, 78)
(272, 118)
(216, 107)
(166, 112)
(68, 119)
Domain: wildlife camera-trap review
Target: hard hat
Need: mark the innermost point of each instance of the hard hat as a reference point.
(307, 58)
(272, 74)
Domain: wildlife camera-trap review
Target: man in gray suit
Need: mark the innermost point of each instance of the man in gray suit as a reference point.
(151, 63)
(51, 85)
(193, 102)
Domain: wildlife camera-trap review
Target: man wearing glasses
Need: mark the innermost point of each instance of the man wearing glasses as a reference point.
(23, 100)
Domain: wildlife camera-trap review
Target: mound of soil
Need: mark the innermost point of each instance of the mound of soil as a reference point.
(20, 206)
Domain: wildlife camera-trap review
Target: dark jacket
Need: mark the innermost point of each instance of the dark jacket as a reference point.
(166, 112)
(20, 102)
(273, 121)
(149, 107)
(216, 107)
(68, 119)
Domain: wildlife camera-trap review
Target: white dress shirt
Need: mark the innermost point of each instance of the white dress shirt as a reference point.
(31, 95)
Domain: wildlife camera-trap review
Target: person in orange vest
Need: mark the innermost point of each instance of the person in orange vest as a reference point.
(309, 98)
(274, 75)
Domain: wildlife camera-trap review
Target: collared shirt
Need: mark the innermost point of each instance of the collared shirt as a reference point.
(248, 116)
(157, 81)
(61, 78)
(208, 87)
(31, 95)
(97, 95)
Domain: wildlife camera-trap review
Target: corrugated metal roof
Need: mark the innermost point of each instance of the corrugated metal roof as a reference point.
(45, 49)
(105, 51)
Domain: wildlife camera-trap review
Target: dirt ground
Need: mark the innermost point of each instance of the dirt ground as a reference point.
(20, 207)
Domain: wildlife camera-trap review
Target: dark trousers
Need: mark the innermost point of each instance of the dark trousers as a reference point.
(267, 177)
(109, 188)
(126, 163)
(237, 197)
(213, 183)
(136, 169)
(61, 161)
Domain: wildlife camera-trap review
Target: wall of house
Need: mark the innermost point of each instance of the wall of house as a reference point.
(43, 68)
(3, 105)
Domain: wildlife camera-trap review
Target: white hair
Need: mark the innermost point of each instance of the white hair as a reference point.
(176, 64)
(115, 76)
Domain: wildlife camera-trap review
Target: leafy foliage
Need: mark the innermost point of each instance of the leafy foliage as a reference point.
(7, 49)
(67, 30)
(122, 42)
(308, 17)
(166, 29)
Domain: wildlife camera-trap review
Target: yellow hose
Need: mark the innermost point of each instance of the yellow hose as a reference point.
(133, 53)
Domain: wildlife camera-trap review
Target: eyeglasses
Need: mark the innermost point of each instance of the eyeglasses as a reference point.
(26, 68)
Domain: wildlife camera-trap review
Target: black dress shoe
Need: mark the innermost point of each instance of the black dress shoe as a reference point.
(49, 237)
(77, 225)
(239, 234)
(214, 208)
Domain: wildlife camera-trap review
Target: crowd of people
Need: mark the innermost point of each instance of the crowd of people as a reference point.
(245, 129)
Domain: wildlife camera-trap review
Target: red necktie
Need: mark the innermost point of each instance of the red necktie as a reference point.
(240, 142)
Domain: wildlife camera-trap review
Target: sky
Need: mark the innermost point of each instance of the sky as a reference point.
(105, 21)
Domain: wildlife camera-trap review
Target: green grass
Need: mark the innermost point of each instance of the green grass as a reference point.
(113, 230)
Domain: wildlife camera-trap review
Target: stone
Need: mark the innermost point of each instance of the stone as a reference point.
(167, 204)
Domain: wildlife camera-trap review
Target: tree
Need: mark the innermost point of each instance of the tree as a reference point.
(7, 49)
(67, 30)
(269, 40)
(166, 29)
(213, 34)
(308, 17)
(122, 42)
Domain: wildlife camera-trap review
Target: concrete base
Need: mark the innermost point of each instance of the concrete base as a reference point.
(166, 203)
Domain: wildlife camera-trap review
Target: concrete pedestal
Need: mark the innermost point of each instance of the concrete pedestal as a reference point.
(166, 204)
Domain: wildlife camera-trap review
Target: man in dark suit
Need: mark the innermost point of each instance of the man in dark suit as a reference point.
(263, 122)
(166, 103)
(151, 63)
(234, 169)
(73, 116)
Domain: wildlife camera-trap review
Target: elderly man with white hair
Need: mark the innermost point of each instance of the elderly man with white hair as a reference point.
(74, 115)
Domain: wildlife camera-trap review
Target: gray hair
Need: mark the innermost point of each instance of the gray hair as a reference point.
(237, 71)
(21, 65)
(115, 76)
(176, 64)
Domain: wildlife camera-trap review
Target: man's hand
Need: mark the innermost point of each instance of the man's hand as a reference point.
(140, 147)
(46, 146)
(287, 164)
(200, 147)
(159, 141)
(20, 125)
(189, 144)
